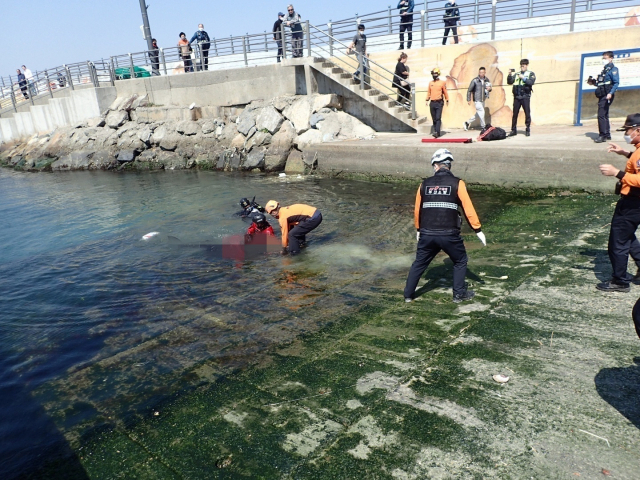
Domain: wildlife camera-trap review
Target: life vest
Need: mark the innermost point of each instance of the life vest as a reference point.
(603, 83)
(439, 203)
(520, 89)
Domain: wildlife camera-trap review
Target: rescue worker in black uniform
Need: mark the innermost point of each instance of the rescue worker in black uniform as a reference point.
(249, 207)
(438, 223)
(606, 85)
(522, 88)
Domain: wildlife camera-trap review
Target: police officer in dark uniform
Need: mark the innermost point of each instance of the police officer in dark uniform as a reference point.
(522, 88)
(438, 222)
(606, 86)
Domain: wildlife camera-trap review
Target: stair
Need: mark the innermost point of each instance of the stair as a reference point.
(380, 99)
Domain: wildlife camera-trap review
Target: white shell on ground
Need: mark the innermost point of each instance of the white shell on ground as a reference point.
(501, 378)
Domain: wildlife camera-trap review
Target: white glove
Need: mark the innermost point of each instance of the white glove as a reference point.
(418, 236)
(482, 238)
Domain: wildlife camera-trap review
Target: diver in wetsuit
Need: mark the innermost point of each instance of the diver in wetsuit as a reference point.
(249, 207)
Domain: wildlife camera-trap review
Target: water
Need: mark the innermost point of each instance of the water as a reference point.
(98, 326)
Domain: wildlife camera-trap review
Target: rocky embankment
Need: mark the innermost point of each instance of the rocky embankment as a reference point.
(266, 136)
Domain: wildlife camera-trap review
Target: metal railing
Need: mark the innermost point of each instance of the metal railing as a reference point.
(489, 21)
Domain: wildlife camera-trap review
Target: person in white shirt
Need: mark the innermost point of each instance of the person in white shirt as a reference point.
(33, 91)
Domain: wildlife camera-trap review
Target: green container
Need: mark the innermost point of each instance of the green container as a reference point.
(125, 73)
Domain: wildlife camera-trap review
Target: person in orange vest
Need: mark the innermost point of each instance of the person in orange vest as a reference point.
(436, 96)
(295, 222)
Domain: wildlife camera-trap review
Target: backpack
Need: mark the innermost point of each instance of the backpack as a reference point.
(492, 133)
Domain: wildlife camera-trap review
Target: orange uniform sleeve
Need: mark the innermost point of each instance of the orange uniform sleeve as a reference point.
(444, 91)
(469, 212)
(429, 91)
(631, 177)
(416, 211)
(284, 227)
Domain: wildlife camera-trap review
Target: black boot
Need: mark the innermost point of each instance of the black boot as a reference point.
(612, 287)
(527, 133)
(512, 133)
(600, 139)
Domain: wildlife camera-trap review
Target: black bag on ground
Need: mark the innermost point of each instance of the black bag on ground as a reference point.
(492, 133)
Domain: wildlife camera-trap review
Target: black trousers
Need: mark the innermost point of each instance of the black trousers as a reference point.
(205, 57)
(525, 103)
(622, 238)
(279, 43)
(297, 234)
(454, 31)
(404, 95)
(636, 316)
(435, 106)
(24, 93)
(604, 127)
(428, 247)
(188, 66)
(406, 25)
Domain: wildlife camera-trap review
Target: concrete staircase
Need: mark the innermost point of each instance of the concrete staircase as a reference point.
(375, 97)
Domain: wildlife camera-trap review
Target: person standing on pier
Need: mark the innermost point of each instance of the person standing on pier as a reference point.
(451, 19)
(22, 83)
(436, 96)
(185, 52)
(606, 85)
(437, 221)
(154, 55)
(277, 34)
(406, 22)
(204, 42)
(294, 22)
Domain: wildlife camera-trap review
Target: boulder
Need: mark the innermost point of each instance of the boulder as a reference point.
(80, 160)
(269, 119)
(247, 120)
(280, 103)
(299, 113)
(106, 137)
(127, 104)
(279, 148)
(257, 140)
(187, 127)
(310, 161)
(330, 100)
(255, 159)
(125, 156)
(169, 142)
(333, 122)
(116, 119)
(229, 132)
(145, 134)
(315, 119)
(251, 132)
(142, 101)
(96, 122)
(308, 138)
(171, 160)
(295, 162)
(238, 141)
(160, 133)
(223, 159)
(208, 127)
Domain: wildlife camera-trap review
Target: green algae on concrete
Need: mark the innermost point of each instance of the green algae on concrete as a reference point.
(405, 391)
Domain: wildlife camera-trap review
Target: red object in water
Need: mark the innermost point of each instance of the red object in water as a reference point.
(447, 140)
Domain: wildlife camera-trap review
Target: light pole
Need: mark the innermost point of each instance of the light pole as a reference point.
(145, 22)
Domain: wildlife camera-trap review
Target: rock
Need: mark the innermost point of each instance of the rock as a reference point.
(125, 156)
(269, 119)
(147, 155)
(238, 141)
(279, 148)
(219, 130)
(91, 133)
(115, 105)
(280, 103)
(145, 134)
(127, 104)
(103, 160)
(169, 142)
(295, 163)
(299, 114)
(96, 122)
(330, 100)
(234, 160)
(187, 127)
(247, 120)
(307, 138)
(80, 160)
(209, 127)
(254, 160)
(106, 137)
(311, 161)
(171, 160)
(333, 123)
(259, 139)
(222, 159)
(229, 132)
(251, 132)
(142, 101)
(315, 119)
(117, 119)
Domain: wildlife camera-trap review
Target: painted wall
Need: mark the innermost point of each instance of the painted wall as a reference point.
(554, 59)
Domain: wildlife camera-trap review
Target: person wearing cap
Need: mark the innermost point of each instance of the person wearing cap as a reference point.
(437, 221)
(359, 44)
(436, 96)
(626, 217)
(522, 88)
(277, 33)
(296, 221)
(606, 85)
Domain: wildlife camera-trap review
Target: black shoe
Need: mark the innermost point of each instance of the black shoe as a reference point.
(436, 135)
(401, 47)
(608, 137)
(612, 287)
(512, 133)
(600, 139)
(527, 133)
(468, 295)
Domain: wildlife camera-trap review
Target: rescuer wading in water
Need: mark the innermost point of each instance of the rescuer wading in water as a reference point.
(438, 223)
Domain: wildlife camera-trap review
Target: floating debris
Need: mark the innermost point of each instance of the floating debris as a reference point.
(150, 235)
(501, 378)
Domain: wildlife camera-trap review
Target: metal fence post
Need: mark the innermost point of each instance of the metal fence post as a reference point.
(215, 46)
(589, 5)
(266, 45)
(112, 73)
(361, 69)
(131, 69)
(493, 20)
(201, 57)
(476, 12)
(309, 37)
(390, 19)
(248, 42)
(164, 63)
(13, 100)
(413, 101)
(93, 80)
(66, 69)
(573, 15)
(422, 25)
(284, 42)
(232, 49)
(46, 75)
(244, 51)
(330, 39)
(530, 10)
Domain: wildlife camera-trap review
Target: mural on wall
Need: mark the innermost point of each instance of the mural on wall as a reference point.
(464, 70)
(632, 18)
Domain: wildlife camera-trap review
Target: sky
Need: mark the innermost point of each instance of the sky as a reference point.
(48, 34)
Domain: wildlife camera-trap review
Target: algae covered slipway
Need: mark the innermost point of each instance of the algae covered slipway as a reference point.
(130, 359)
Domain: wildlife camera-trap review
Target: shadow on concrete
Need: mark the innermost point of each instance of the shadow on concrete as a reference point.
(599, 258)
(620, 387)
(592, 135)
(434, 275)
(32, 446)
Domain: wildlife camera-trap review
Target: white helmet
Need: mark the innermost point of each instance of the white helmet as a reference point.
(442, 155)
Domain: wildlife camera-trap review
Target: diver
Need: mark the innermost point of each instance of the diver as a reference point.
(259, 225)
(249, 207)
